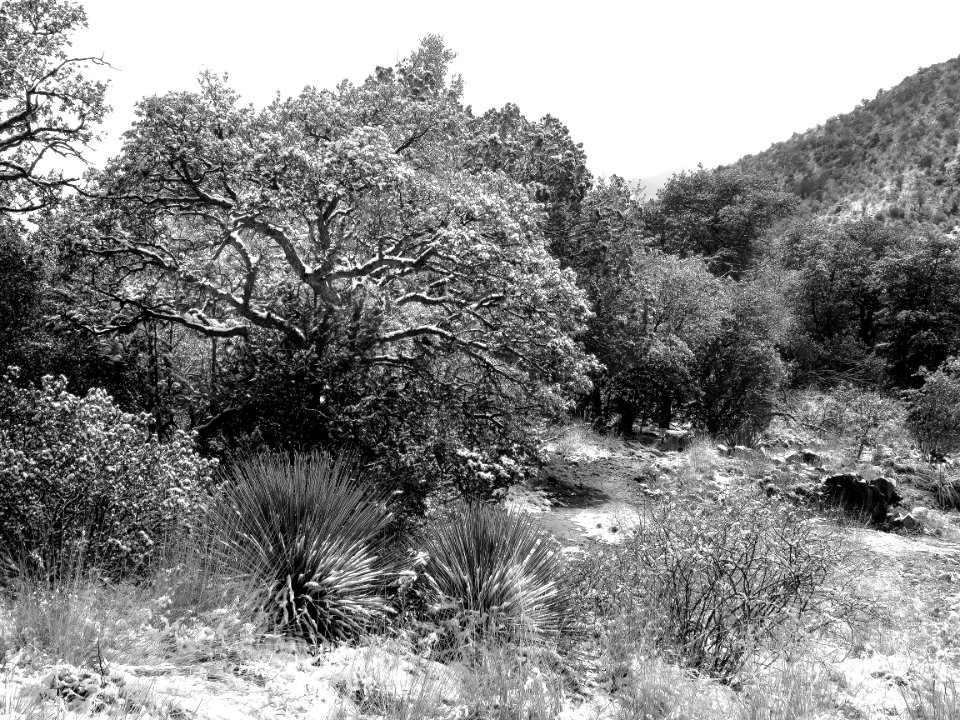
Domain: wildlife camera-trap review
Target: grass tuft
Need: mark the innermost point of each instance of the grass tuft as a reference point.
(313, 540)
(499, 566)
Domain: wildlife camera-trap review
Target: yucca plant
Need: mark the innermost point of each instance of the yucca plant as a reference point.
(312, 539)
(497, 566)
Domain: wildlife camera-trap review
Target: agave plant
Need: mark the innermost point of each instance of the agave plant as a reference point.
(311, 538)
(500, 566)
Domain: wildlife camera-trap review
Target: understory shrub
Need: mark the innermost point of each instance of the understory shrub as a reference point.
(711, 585)
(498, 569)
(77, 471)
(311, 537)
(934, 415)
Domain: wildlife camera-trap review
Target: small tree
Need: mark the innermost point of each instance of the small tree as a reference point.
(738, 370)
(934, 415)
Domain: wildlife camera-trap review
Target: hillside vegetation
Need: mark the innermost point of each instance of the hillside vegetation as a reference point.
(892, 157)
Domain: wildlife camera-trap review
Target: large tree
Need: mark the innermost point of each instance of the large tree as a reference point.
(349, 228)
(48, 107)
(543, 157)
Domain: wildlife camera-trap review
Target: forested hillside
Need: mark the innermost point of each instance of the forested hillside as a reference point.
(892, 157)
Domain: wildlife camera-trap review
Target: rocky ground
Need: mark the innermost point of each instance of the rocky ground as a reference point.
(593, 490)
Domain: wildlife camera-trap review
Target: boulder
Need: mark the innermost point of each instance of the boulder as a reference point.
(907, 521)
(858, 496)
(675, 440)
(747, 453)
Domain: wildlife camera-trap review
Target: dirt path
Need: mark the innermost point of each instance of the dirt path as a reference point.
(594, 492)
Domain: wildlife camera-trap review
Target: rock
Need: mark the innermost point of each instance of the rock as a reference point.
(904, 468)
(861, 497)
(742, 451)
(675, 440)
(906, 521)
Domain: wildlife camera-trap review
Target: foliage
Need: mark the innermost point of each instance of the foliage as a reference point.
(719, 215)
(920, 320)
(500, 567)
(892, 156)
(77, 471)
(333, 250)
(20, 287)
(648, 336)
(871, 301)
(311, 537)
(836, 296)
(711, 584)
(47, 107)
(934, 414)
(738, 370)
(544, 158)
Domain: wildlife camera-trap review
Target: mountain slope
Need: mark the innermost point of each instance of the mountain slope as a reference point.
(895, 156)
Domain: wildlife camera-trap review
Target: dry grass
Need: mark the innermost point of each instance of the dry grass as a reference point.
(934, 700)
(581, 441)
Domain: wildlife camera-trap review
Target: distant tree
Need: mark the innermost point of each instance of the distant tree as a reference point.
(738, 369)
(836, 295)
(719, 215)
(919, 322)
(651, 334)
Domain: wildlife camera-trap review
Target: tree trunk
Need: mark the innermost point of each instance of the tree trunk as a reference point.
(665, 412)
(627, 415)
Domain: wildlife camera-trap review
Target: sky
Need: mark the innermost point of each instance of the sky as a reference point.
(647, 87)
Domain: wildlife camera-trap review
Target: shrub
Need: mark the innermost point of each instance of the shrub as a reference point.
(934, 414)
(311, 537)
(861, 418)
(738, 370)
(713, 584)
(500, 567)
(737, 376)
(79, 471)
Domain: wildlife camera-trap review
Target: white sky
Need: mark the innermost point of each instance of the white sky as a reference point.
(645, 86)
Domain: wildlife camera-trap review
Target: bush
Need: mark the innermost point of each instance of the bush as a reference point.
(311, 538)
(738, 370)
(737, 376)
(934, 414)
(711, 585)
(77, 471)
(500, 568)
